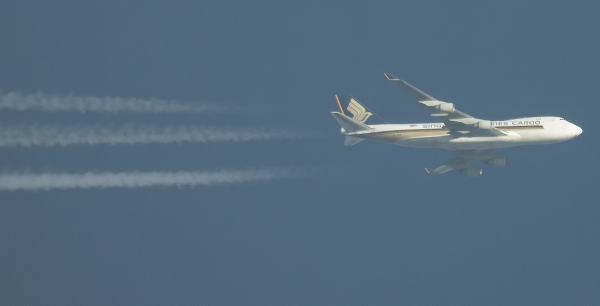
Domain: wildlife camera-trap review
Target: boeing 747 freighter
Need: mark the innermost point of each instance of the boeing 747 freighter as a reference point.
(470, 138)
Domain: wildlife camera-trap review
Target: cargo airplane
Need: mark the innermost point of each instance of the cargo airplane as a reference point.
(470, 138)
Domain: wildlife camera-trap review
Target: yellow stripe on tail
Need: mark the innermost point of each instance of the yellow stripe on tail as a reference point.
(340, 104)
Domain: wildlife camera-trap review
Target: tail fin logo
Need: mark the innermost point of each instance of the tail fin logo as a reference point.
(359, 111)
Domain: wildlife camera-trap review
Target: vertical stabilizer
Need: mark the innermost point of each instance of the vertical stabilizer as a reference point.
(359, 111)
(350, 125)
(356, 109)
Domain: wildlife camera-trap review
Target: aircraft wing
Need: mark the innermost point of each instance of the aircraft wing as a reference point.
(459, 163)
(461, 159)
(456, 121)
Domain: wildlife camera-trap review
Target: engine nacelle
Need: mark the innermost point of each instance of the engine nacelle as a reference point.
(472, 172)
(498, 162)
(446, 107)
(484, 125)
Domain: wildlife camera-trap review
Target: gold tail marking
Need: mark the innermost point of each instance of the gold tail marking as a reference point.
(340, 104)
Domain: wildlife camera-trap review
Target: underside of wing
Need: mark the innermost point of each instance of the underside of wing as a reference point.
(461, 159)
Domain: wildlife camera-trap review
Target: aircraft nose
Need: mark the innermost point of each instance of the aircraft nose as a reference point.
(577, 130)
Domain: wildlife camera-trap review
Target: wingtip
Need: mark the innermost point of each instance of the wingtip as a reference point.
(390, 77)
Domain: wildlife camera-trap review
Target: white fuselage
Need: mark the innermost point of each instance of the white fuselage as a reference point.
(523, 131)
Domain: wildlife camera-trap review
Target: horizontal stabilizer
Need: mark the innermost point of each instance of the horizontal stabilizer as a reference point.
(349, 124)
(350, 140)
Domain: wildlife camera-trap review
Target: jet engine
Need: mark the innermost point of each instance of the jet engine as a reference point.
(484, 125)
(472, 172)
(498, 162)
(446, 107)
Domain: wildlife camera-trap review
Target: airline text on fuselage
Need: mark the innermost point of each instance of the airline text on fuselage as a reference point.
(494, 123)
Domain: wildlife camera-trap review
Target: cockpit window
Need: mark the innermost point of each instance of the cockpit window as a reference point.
(562, 119)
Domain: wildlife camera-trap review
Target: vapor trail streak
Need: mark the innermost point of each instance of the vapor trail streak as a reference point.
(52, 103)
(48, 181)
(29, 136)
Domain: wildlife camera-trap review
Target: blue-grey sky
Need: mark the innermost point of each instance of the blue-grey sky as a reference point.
(370, 227)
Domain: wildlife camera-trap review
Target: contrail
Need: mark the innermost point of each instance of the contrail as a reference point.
(53, 103)
(36, 135)
(48, 181)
